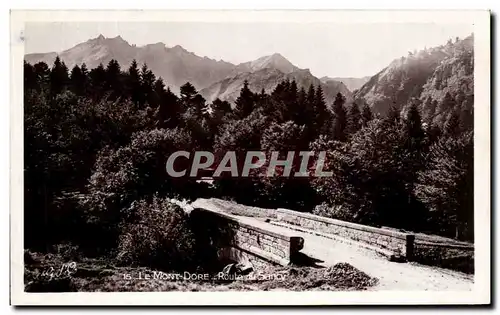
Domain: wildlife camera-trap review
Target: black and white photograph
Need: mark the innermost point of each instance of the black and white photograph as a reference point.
(338, 156)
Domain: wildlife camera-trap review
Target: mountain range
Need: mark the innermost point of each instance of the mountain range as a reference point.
(176, 66)
(427, 75)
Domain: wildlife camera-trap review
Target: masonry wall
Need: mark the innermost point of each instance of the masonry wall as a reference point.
(398, 243)
(258, 239)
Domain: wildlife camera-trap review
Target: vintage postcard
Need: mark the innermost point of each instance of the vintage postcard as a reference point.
(250, 157)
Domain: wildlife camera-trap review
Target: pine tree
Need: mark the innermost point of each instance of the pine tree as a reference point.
(310, 113)
(446, 186)
(367, 114)
(447, 104)
(301, 114)
(113, 79)
(393, 116)
(133, 83)
(413, 125)
(42, 72)
(169, 111)
(58, 76)
(84, 69)
(220, 108)
(433, 133)
(85, 78)
(322, 116)
(98, 81)
(466, 120)
(452, 124)
(147, 84)
(158, 93)
(353, 119)
(340, 118)
(188, 91)
(30, 77)
(291, 107)
(77, 80)
(245, 102)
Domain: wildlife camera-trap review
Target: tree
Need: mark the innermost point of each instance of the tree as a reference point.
(98, 81)
(113, 79)
(446, 186)
(133, 83)
(447, 104)
(245, 102)
(340, 118)
(240, 136)
(286, 191)
(393, 116)
(42, 72)
(132, 172)
(58, 76)
(30, 77)
(169, 112)
(78, 81)
(413, 127)
(370, 179)
(321, 116)
(452, 124)
(466, 120)
(353, 119)
(220, 108)
(367, 114)
(147, 85)
(158, 93)
(188, 91)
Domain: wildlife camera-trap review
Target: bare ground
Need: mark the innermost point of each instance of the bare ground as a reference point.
(93, 275)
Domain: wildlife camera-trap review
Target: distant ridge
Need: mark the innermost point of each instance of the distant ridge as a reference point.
(177, 66)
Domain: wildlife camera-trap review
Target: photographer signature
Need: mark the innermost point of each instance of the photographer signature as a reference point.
(66, 270)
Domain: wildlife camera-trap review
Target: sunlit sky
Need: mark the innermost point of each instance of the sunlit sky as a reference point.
(335, 50)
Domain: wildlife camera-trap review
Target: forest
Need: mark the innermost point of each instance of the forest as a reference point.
(96, 143)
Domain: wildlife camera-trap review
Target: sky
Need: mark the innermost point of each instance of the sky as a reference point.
(327, 49)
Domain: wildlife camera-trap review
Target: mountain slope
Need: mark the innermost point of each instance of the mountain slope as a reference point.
(352, 83)
(275, 61)
(267, 79)
(215, 79)
(175, 65)
(412, 77)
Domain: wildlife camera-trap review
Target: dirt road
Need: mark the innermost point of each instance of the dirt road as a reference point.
(391, 275)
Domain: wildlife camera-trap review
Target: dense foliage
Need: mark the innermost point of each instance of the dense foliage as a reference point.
(96, 143)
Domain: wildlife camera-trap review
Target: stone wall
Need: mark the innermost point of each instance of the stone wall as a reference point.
(255, 238)
(251, 240)
(425, 249)
(400, 244)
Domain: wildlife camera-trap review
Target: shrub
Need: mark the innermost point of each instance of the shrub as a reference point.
(157, 235)
(335, 212)
(130, 173)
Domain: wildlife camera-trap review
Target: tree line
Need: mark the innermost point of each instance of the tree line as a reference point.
(96, 142)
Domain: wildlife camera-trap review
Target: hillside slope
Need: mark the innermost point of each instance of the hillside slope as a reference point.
(352, 84)
(267, 79)
(175, 65)
(430, 72)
